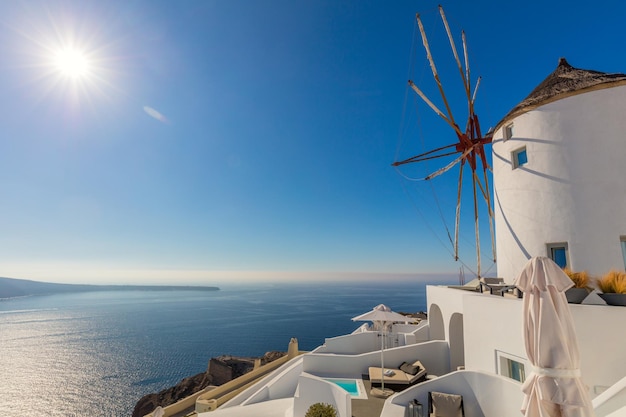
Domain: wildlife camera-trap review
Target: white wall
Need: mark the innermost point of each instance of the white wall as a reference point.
(433, 355)
(313, 390)
(483, 394)
(420, 335)
(351, 344)
(494, 324)
(602, 343)
(283, 407)
(407, 328)
(363, 340)
(572, 189)
(445, 313)
(279, 384)
(282, 385)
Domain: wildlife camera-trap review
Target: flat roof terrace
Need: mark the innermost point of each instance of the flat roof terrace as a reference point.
(372, 407)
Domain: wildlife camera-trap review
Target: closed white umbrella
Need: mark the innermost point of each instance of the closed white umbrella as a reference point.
(554, 387)
(382, 315)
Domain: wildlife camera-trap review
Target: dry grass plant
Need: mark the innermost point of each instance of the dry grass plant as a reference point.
(580, 279)
(613, 282)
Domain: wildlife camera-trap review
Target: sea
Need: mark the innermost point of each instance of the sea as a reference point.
(97, 353)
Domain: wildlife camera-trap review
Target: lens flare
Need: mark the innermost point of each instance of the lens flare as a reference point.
(155, 114)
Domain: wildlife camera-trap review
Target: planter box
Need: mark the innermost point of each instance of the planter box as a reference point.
(614, 299)
(576, 295)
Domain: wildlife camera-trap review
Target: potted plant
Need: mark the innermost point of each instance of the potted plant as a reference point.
(581, 288)
(321, 410)
(613, 287)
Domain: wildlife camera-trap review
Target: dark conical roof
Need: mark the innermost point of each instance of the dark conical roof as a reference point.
(564, 82)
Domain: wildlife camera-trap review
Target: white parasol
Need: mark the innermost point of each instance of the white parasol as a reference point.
(554, 387)
(382, 315)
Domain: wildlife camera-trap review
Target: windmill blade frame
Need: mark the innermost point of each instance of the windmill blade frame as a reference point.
(470, 143)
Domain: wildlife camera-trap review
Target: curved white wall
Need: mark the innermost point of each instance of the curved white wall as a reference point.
(573, 188)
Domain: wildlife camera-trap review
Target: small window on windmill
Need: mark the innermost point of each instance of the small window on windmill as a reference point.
(508, 131)
(519, 157)
(558, 253)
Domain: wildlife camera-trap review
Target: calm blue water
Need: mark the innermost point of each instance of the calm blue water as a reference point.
(349, 386)
(96, 354)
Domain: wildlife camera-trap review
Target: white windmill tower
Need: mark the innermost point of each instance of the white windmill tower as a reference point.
(559, 173)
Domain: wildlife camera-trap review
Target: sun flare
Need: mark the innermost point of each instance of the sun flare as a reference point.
(72, 63)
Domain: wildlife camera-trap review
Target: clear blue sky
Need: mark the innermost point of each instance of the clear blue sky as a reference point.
(225, 140)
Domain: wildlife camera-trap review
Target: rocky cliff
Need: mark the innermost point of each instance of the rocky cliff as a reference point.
(220, 370)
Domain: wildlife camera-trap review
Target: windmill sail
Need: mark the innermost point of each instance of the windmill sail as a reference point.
(470, 143)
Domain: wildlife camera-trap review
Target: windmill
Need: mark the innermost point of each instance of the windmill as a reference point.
(470, 144)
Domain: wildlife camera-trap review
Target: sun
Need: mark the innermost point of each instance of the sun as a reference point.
(69, 57)
(72, 63)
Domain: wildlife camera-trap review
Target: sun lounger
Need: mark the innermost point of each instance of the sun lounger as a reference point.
(441, 404)
(404, 376)
(495, 286)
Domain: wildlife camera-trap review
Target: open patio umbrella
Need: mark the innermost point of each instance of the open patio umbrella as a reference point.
(381, 315)
(554, 387)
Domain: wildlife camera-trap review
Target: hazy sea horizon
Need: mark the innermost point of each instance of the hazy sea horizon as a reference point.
(97, 353)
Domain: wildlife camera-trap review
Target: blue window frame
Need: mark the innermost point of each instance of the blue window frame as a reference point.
(519, 157)
(623, 242)
(558, 253)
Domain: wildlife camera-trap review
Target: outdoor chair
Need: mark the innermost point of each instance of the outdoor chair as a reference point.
(495, 286)
(405, 374)
(445, 405)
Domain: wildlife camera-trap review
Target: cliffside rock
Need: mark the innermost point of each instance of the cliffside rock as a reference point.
(271, 356)
(220, 371)
(183, 389)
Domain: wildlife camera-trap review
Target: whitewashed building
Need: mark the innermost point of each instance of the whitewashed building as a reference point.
(559, 174)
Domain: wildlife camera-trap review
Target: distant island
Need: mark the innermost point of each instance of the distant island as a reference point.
(12, 287)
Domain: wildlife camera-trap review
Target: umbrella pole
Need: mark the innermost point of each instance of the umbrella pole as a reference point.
(383, 393)
(382, 361)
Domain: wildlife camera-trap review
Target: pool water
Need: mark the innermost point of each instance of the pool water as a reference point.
(349, 385)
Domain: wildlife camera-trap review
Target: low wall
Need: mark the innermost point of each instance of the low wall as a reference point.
(364, 340)
(351, 344)
(281, 384)
(414, 333)
(315, 390)
(434, 356)
(483, 394)
(423, 333)
(268, 408)
(406, 328)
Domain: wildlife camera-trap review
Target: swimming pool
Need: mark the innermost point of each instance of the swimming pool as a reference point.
(354, 387)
